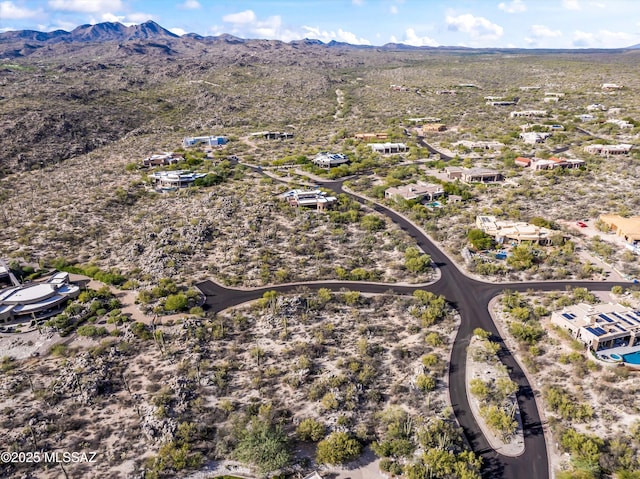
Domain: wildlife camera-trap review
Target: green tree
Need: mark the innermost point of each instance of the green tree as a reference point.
(264, 445)
(479, 239)
(338, 448)
(310, 430)
(176, 302)
(416, 262)
(521, 258)
(425, 383)
(372, 223)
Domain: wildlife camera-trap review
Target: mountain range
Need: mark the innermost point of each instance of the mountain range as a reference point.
(31, 40)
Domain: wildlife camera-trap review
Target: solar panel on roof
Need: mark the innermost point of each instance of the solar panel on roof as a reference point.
(567, 316)
(605, 317)
(600, 331)
(621, 328)
(633, 319)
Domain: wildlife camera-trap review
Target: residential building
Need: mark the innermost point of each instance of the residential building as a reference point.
(537, 164)
(38, 300)
(482, 145)
(529, 88)
(273, 135)
(501, 102)
(515, 231)
(446, 92)
(371, 136)
(533, 137)
(553, 94)
(172, 180)
(162, 159)
(316, 198)
(528, 113)
(424, 119)
(538, 126)
(388, 148)
(329, 160)
(627, 228)
(313, 475)
(429, 128)
(585, 117)
(207, 140)
(606, 150)
(473, 175)
(551, 99)
(596, 107)
(600, 326)
(415, 191)
(611, 86)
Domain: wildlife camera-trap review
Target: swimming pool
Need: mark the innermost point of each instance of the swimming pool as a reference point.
(632, 358)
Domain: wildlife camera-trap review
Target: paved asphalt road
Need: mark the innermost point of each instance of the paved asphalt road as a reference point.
(471, 298)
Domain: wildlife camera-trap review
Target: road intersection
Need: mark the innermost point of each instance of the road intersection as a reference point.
(470, 297)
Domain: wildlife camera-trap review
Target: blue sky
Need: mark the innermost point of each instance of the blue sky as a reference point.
(471, 23)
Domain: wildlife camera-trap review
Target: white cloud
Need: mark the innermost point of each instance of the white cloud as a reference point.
(541, 31)
(603, 39)
(190, 5)
(110, 17)
(239, 18)
(516, 6)
(140, 17)
(412, 38)
(393, 9)
(87, 6)
(178, 31)
(476, 27)
(11, 11)
(339, 36)
(571, 4)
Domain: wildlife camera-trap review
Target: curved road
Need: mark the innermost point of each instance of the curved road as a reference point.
(470, 298)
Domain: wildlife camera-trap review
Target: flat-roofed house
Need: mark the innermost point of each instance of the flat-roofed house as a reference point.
(516, 231)
(522, 161)
(415, 191)
(533, 137)
(207, 140)
(627, 228)
(606, 150)
(162, 159)
(528, 113)
(600, 326)
(388, 148)
(480, 145)
(329, 160)
(371, 136)
(37, 300)
(172, 180)
(429, 128)
(454, 172)
(481, 175)
(307, 198)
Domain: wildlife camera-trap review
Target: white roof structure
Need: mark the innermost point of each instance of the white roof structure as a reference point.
(328, 160)
(513, 230)
(316, 198)
(387, 148)
(414, 191)
(39, 301)
(175, 179)
(600, 326)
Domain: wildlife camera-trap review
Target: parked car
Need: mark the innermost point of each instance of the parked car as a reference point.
(581, 224)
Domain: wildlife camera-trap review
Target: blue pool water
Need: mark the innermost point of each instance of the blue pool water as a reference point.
(632, 358)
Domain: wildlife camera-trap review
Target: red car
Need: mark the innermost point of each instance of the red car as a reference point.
(581, 224)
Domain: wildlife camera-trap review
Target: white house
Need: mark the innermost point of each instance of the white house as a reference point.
(207, 140)
(38, 300)
(329, 160)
